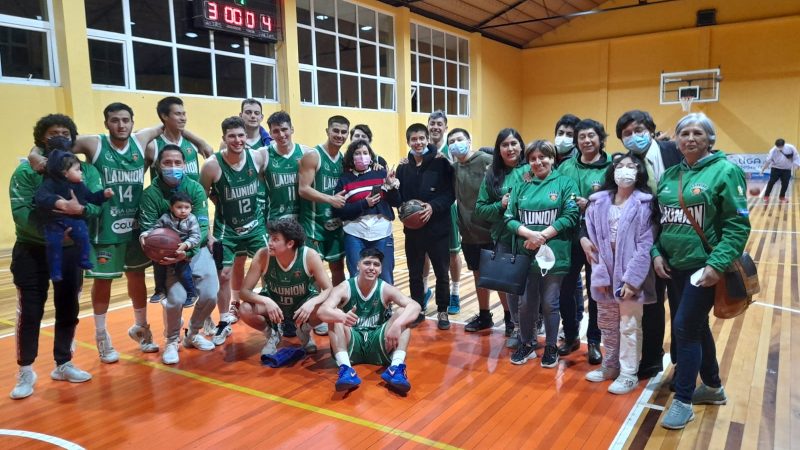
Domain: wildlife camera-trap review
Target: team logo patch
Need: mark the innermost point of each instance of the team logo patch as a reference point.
(135, 157)
(250, 173)
(103, 257)
(553, 196)
(699, 188)
(297, 274)
(596, 185)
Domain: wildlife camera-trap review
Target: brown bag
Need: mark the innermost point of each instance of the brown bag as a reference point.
(733, 294)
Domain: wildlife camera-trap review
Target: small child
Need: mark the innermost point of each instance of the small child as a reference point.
(181, 220)
(63, 180)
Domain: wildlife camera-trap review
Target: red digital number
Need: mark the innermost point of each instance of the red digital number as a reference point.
(250, 20)
(211, 11)
(233, 16)
(266, 22)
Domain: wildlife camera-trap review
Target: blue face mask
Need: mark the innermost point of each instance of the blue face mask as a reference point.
(638, 143)
(172, 175)
(458, 149)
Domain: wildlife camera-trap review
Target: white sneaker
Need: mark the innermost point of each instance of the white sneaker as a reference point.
(107, 353)
(196, 340)
(68, 372)
(321, 329)
(623, 384)
(209, 328)
(170, 355)
(142, 335)
(221, 335)
(602, 374)
(273, 339)
(233, 313)
(24, 387)
(307, 339)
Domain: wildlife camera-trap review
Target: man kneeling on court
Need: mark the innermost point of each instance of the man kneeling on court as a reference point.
(295, 283)
(362, 330)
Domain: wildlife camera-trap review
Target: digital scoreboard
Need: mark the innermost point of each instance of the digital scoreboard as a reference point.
(254, 19)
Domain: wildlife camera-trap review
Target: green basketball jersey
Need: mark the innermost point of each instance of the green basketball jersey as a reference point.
(289, 288)
(282, 183)
(446, 152)
(189, 153)
(254, 145)
(371, 310)
(241, 197)
(123, 172)
(317, 217)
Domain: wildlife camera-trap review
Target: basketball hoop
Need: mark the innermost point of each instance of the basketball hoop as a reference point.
(686, 103)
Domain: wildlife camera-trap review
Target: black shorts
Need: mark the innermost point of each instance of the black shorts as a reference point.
(472, 254)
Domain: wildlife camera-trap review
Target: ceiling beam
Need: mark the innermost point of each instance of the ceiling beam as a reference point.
(500, 13)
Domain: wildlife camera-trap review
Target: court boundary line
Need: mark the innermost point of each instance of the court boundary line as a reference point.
(50, 323)
(54, 440)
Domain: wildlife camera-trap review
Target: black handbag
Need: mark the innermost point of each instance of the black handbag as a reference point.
(504, 272)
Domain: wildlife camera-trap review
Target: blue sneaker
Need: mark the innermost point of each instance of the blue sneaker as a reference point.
(428, 295)
(348, 379)
(455, 305)
(395, 378)
(678, 415)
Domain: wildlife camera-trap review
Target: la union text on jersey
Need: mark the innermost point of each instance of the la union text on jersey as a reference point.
(237, 192)
(283, 179)
(676, 216)
(543, 217)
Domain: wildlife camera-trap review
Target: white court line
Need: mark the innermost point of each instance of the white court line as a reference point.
(641, 403)
(782, 308)
(82, 316)
(774, 231)
(63, 443)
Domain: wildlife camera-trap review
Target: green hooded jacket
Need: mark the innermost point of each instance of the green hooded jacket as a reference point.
(489, 206)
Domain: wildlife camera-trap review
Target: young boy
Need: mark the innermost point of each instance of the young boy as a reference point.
(64, 179)
(181, 220)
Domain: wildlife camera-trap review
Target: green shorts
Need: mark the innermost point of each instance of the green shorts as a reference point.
(245, 245)
(331, 247)
(369, 346)
(455, 236)
(112, 260)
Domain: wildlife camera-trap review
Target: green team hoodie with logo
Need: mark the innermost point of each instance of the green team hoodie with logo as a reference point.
(714, 191)
(537, 204)
(489, 206)
(588, 177)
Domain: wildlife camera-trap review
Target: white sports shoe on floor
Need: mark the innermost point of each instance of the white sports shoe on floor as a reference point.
(209, 328)
(24, 387)
(142, 335)
(170, 355)
(233, 313)
(68, 372)
(602, 374)
(273, 339)
(222, 334)
(307, 339)
(107, 353)
(321, 329)
(623, 384)
(196, 340)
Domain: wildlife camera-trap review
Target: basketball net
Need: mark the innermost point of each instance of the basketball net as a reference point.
(686, 103)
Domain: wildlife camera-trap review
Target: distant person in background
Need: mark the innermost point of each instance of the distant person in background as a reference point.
(783, 158)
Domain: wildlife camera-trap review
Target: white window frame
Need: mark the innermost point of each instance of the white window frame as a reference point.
(45, 26)
(313, 69)
(127, 40)
(459, 91)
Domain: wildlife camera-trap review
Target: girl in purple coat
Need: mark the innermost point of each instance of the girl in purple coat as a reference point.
(621, 222)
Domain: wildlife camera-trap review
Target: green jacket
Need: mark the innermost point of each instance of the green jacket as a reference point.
(489, 207)
(22, 188)
(537, 204)
(588, 177)
(714, 190)
(155, 202)
(467, 181)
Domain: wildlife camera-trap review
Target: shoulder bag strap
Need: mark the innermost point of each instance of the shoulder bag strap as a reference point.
(690, 216)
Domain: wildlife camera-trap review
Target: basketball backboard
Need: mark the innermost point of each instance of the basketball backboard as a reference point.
(700, 85)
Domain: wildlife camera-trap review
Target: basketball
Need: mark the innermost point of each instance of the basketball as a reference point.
(410, 214)
(160, 243)
(754, 191)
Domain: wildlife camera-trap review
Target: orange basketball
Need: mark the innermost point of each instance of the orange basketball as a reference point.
(754, 191)
(160, 243)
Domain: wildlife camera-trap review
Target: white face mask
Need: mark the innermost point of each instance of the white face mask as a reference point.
(545, 258)
(625, 176)
(563, 144)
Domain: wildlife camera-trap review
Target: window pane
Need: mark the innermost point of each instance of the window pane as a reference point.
(327, 88)
(31, 9)
(185, 32)
(347, 55)
(369, 93)
(387, 62)
(438, 99)
(347, 18)
(368, 59)
(106, 63)
(413, 67)
(424, 40)
(463, 80)
(230, 77)
(324, 14)
(23, 54)
(463, 104)
(258, 48)
(438, 72)
(413, 37)
(415, 99)
(104, 15)
(304, 50)
(228, 42)
(306, 87)
(194, 72)
(438, 44)
(463, 50)
(150, 19)
(349, 91)
(386, 29)
(304, 12)
(326, 50)
(153, 65)
(262, 81)
(387, 96)
(366, 24)
(424, 70)
(451, 47)
(452, 75)
(452, 102)
(425, 99)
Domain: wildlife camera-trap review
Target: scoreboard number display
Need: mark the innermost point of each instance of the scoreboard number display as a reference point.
(254, 19)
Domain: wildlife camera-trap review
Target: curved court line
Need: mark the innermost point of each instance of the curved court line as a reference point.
(63, 443)
(272, 397)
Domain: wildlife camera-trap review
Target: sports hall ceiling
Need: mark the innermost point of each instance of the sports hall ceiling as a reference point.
(512, 22)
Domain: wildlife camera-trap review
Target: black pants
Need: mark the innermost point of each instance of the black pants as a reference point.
(438, 251)
(31, 276)
(653, 326)
(569, 309)
(774, 175)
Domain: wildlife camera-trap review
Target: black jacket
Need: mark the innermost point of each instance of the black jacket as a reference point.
(670, 154)
(430, 182)
(55, 186)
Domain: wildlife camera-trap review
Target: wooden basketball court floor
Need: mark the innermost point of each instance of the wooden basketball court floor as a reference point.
(465, 393)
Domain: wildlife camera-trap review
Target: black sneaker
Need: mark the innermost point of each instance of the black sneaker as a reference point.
(594, 354)
(550, 356)
(289, 328)
(509, 326)
(479, 323)
(444, 321)
(569, 346)
(523, 354)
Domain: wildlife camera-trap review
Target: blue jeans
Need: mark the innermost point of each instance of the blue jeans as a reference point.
(183, 272)
(697, 352)
(572, 312)
(353, 246)
(54, 237)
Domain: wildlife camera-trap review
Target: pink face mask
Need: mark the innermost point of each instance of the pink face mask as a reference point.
(362, 162)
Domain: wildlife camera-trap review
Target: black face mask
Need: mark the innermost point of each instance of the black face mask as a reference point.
(59, 143)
